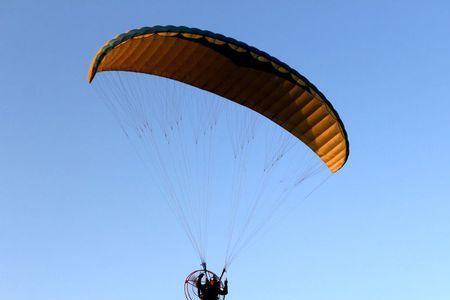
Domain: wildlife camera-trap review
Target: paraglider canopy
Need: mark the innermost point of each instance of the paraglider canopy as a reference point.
(222, 127)
(235, 71)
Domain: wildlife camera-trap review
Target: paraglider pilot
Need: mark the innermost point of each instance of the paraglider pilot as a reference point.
(211, 289)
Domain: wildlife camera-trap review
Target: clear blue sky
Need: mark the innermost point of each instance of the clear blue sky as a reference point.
(75, 220)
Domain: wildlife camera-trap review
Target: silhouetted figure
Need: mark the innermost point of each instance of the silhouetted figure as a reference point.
(210, 290)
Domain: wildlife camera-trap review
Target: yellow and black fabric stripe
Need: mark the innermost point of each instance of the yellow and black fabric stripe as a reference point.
(236, 71)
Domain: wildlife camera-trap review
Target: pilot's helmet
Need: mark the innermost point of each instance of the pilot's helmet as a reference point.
(213, 280)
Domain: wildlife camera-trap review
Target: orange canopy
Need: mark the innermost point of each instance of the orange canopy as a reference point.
(235, 71)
